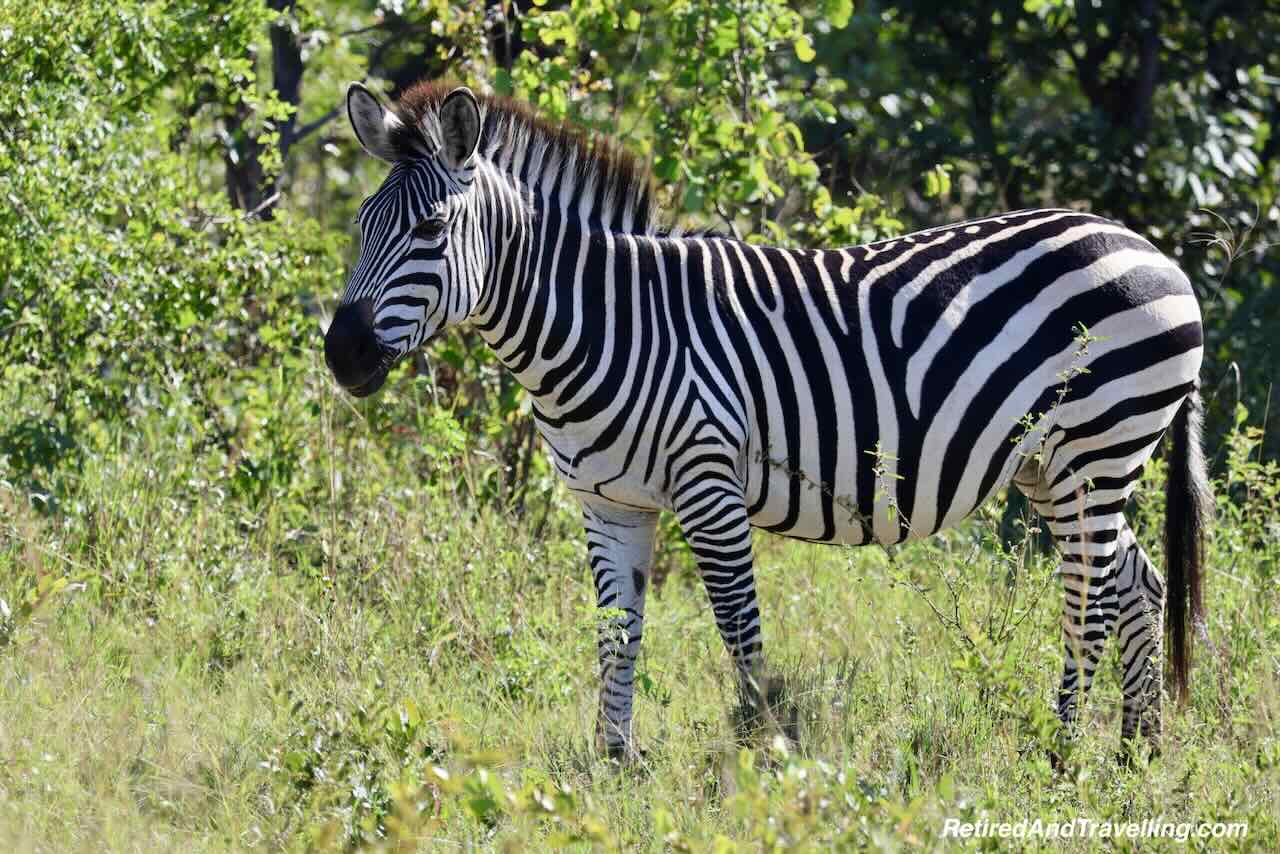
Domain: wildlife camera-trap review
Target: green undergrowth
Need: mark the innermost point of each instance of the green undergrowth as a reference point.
(373, 659)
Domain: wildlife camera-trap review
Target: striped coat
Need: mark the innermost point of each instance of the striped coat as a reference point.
(869, 394)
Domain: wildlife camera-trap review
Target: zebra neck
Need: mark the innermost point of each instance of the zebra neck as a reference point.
(539, 274)
(545, 310)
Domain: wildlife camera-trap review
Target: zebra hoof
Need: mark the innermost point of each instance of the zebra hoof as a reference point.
(623, 756)
(1133, 749)
(1059, 756)
(620, 753)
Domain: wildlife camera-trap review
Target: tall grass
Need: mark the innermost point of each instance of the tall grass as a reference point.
(370, 658)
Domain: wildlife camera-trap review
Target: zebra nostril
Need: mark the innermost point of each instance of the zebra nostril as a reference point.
(364, 345)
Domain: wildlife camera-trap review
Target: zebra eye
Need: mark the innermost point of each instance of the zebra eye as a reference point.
(429, 229)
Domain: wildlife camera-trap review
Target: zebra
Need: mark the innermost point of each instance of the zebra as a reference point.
(742, 386)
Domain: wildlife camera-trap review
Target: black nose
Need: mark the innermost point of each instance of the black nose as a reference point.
(351, 347)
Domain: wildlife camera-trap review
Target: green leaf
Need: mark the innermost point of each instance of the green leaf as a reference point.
(937, 181)
(694, 199)
(725, 39)
(503, 83)
(804, 49)
(838, 12)
(666, 168)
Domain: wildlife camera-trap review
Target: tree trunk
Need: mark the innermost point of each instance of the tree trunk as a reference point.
(249, 186)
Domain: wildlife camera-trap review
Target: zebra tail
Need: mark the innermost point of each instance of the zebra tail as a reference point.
(1188, 504)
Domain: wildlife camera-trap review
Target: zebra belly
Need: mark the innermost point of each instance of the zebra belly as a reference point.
(802, 505)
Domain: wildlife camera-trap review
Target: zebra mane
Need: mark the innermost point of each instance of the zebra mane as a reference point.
(540, 153)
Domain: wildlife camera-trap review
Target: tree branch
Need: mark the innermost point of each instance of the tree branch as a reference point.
(313, 126)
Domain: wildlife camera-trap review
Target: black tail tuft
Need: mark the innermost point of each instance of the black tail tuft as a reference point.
(1187, 508)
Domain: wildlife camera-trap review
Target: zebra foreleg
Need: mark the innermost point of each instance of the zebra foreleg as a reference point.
(620, 550)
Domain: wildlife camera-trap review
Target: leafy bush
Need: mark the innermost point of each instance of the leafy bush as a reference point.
(128, 285)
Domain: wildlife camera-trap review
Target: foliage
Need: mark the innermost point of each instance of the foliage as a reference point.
(1248, 496)
(720, 125)
(290, 620)
(407, 669)
(133, 278)
(124, 290)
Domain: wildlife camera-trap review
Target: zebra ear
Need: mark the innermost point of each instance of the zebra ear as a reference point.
(372, 123)
(459, 127)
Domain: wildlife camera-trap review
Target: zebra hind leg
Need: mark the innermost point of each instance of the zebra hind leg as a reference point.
(1140, 632)
(1087, 530)
(712, 514)
(1088, 618)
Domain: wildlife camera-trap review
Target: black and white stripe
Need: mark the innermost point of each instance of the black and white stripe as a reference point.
(876, 393)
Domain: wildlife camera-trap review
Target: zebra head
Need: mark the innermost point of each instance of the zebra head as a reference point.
(420, 266)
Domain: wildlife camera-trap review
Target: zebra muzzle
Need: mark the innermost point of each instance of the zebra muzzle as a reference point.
(352, 349)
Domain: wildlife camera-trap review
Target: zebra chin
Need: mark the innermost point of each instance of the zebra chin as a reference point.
(369, 386)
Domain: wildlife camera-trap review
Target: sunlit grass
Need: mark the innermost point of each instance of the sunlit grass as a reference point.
(191, 672)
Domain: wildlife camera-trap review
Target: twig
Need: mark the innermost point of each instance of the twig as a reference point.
(311, 127)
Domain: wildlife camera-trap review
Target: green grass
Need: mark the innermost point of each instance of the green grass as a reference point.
(371, 659)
